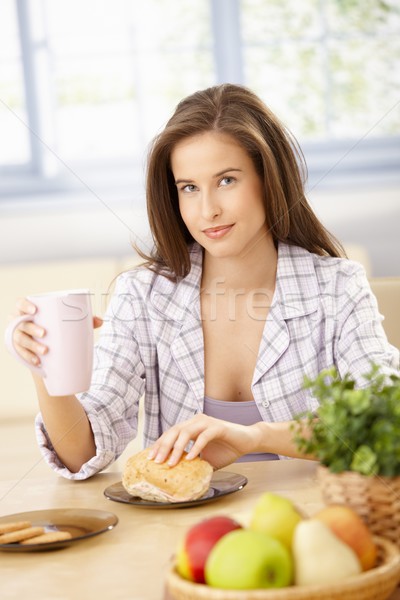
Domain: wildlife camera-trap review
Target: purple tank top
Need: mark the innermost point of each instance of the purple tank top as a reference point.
(242, 413)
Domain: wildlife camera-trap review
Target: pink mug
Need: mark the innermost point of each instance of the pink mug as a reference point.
(66, 316)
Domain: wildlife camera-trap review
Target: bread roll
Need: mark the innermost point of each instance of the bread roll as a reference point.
(158, 482)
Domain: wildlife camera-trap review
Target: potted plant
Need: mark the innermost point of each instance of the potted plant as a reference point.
(355, 435)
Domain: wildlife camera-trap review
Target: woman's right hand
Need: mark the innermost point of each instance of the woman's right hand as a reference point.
(26, 346)
(28, 334)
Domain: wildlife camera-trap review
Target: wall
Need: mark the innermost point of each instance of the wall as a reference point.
(76, 227)
(369, 217)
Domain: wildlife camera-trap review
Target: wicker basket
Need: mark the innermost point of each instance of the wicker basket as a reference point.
(375, 499)
(376, 584)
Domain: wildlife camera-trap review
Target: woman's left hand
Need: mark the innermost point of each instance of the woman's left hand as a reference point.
(219, 442)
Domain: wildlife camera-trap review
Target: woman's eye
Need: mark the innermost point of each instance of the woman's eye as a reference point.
(226, 181)
(189, 188)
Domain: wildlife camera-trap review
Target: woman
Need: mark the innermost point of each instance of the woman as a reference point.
(244, 294)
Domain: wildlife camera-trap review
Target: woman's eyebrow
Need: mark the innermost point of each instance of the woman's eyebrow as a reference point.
(183, 181)
(228, 170)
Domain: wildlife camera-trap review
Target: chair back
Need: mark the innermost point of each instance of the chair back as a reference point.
(387, 292)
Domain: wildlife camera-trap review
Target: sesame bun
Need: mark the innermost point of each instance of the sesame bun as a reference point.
(158, 482)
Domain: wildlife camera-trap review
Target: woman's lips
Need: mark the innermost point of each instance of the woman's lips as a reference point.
(217, 232)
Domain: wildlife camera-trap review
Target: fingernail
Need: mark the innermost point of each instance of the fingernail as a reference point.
(173, 460)
(40, 333)
(41, 349)
(35, 360)
(150, 454)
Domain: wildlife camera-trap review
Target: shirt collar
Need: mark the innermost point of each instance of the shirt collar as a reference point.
(177, 300)
(296, 291)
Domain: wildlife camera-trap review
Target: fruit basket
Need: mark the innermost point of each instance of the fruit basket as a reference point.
(375, 584)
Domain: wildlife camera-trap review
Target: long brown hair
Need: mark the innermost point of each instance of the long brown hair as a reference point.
(277, 157)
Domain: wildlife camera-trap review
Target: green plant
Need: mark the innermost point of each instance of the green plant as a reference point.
(353, 429)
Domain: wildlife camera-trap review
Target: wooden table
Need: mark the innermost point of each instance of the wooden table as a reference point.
(130, 561)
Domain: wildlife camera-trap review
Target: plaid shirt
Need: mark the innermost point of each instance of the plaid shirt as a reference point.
(323, 313)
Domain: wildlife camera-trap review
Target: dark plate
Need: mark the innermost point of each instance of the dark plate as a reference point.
(222, 483)
(81, 523)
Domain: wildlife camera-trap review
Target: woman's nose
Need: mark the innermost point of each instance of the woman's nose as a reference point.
(210, 206)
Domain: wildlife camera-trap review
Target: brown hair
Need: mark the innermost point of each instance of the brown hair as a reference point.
(233, 110)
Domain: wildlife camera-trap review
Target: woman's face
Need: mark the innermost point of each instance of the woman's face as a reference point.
(220, 194)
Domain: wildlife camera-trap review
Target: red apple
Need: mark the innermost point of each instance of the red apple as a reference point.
(197, 544)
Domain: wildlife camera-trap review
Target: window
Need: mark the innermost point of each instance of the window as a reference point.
(101, 78)
(118, 70)
(84, 86)
(329, 68)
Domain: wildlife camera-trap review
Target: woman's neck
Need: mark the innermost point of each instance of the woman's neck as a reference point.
(255, 270)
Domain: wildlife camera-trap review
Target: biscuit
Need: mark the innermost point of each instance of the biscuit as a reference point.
(15, 526)
(47, 538)
(22, 534)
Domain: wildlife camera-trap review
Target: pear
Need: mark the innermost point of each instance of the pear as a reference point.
(320, 557)
(349, 527)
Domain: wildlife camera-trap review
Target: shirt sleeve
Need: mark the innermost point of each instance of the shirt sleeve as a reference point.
(118, 381)
(361, 339)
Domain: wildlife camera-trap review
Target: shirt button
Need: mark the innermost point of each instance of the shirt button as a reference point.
(266, 403)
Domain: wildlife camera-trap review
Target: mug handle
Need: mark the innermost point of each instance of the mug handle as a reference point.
(8, 339)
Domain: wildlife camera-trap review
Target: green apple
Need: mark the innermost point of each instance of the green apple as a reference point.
(248, 560)
(276, 516)
(193, 550)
